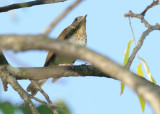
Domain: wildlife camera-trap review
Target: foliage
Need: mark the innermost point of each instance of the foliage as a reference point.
(9, 108)
(126, 56)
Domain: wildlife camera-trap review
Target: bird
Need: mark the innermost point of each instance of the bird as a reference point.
(76, 34)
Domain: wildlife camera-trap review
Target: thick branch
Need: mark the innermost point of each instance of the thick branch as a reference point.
(54, 72)
(28, 4)
(147, 90)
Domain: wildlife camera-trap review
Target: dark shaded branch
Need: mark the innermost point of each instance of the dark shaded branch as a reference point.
(54, 72)
(60, 17)
(146, 89)
(3, 62)
(154, 3)
(28, 4)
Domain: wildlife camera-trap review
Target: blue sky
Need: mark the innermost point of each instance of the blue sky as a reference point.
(108, 33)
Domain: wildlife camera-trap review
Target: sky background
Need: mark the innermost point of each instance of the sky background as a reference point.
(108, 33)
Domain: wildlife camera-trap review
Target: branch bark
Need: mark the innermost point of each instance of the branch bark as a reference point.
(147, 90)
(40, 73)
(28, 4)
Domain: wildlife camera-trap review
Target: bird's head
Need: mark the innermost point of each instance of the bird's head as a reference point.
(79, 21)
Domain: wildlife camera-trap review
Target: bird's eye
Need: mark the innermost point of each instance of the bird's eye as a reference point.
(76, 19)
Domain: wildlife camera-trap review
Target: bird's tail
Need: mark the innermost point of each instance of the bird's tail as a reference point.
(32, 89)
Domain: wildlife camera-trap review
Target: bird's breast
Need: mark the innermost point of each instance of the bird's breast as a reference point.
(79, 37)
(78, 41)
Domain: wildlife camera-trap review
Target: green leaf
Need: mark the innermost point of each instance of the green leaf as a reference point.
(24, 108)
(126, 56)
(42, 109)
(140, 73)
(148, 71)
(7, 107)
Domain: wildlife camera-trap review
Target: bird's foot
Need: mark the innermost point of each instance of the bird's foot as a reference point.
(65, 64)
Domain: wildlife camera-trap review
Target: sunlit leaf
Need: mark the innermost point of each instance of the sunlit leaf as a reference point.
(126, 56)
(139, 70)
(140, 73)
(65, 110)
(142, 102)
(122, 87)
(148, 71)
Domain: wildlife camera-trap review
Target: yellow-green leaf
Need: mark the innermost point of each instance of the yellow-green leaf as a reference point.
(126, 53)
(148, 71)
(126, 56)
(139, 70)
(140, 73)
(122, 87)
(142, 102)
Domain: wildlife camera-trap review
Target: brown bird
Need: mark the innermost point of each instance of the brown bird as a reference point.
(75, 33)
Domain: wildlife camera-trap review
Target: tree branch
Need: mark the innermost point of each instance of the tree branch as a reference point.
(154, 3)
(8, 79)
(143, 36)
(28, 4)
(147, 90)
(45, 95)
(13, 82)
(60, 17)
(40, 73)
(139, 16)
(45, 103)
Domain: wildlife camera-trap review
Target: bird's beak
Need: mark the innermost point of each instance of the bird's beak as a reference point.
(84, 18)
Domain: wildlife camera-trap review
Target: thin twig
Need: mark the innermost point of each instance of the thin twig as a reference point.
(28, 4)
(133, 37)
(45, 95)
(143, 36)
(60, 17)
(132, 31)
(45, 103)
(140, 42)
(141, 17)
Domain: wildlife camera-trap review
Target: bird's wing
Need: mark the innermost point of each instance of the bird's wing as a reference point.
(64, 35)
